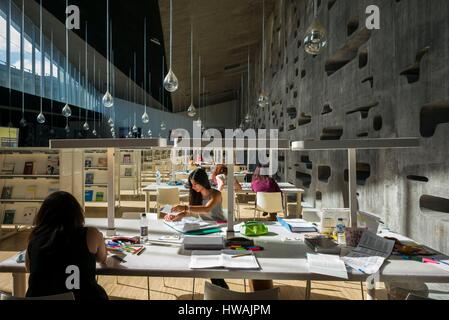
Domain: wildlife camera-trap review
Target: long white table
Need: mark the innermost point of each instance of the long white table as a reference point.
(281, 260)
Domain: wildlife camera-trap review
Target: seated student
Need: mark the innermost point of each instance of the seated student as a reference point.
(204, 202)
(263, 183)
(58, 241)
(219, 178)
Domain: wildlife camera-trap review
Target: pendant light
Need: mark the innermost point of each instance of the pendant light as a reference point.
(162, 93)
(316, 38)
(94, 131)
(108, 100)
(171, 83)
(247, 116)
(23, 122)
(204, 109)
(150, 133)
(191, 111)
(41, 118)
(52, 130)
(86, 91)
(198, 121)
(145, 117)
(66, 111)
(263, 100)
(135, 129)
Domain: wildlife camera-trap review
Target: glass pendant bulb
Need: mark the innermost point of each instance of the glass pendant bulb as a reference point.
(163, 126)
(94, 132)
(41, 118)
(150, 133)
(112, 130)
(23, 123)
(263, 101)
(247, 118)
(86, 126)
(191, 112)
(241, 127)
(66, 111)
(111, 122)
(315, 39)
(135, 129)
(130, 134)
(171, 83)
(108, 100)
(145, 118)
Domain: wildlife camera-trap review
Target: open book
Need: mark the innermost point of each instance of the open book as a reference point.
(193, 224)
(167, 209)
(228, 259)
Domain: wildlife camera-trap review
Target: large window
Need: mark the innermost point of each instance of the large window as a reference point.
(15, 47)
(2, 37)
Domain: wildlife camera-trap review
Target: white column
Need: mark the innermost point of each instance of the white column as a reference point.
(111, 192)
(352, 177)
(230, 183)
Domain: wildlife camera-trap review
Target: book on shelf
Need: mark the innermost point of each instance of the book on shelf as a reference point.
(102, 162)
(8, 168)
(28, 168)
(99, 196)
(128, 172)
(7, 192)
(30, 192)
(88, 162)
(8, 216)
(26, 217)
(88, 195)
(89, 178)
(127, 159)
(52, 165)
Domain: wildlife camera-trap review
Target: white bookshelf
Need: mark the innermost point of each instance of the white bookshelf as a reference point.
(95, 177)
(22, 191)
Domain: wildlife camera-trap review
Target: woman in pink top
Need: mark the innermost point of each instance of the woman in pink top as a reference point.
(263, 183)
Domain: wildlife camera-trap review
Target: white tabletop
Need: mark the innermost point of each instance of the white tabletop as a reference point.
(281, 260)
(155, 187)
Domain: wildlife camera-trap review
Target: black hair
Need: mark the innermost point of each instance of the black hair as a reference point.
(59, 217)
(200, 177)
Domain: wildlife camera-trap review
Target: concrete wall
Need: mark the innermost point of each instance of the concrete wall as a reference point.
(384, 83)
(223, 115)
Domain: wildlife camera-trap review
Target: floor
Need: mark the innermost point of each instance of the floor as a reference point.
(124, 288)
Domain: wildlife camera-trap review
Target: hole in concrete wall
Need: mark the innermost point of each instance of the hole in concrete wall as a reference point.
(364, 110)
(318, 196)
(377, 123)
(299, 44)
(291, 127)
(413, 72)
(297, 72)
(352, 27)
(304, 119)
(348, 52)
(303, 74)
(307, 162)
(418, 178)
(363, 59)
(363, 173)
(295, 94)
(296, 60)
(326, 109)
(363, 135)
(330, 4)
(324, 173)
(305, 178)
(334, 133)
(370, 80)
(432, 116)
(431, 203)
(292, 113)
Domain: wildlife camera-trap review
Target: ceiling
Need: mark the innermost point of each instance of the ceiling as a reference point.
(223, 32)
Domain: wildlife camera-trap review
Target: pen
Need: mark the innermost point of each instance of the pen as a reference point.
(242, 255)
(141, 250)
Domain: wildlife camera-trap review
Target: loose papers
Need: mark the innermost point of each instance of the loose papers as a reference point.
(370, 254)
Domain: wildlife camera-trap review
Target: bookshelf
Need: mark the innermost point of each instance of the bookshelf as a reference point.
(95, 177)
(130, 170)
(27, 177)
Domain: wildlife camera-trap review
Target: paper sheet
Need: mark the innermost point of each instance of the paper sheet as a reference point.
(370, 254)
(330, 265)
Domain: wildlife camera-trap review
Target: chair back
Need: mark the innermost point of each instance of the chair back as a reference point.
(213, 292)
(270, 202)
(62, 296)
(168, 196)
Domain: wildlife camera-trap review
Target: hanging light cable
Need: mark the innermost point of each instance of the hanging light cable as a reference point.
(263, 100)
(191, 111)
(108, 100)
(66, 111)
(171, 83)
(86, 92)
(145, 117)
(41, 118)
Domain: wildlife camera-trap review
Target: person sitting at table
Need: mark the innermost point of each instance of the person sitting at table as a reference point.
(219, 178)
(59, 241)
(204, 202)
(264, 183)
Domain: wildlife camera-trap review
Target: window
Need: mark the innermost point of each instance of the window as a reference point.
(28, 55)
(2, 38)
(15, 47)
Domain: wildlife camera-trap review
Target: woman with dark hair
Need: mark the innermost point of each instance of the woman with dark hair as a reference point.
(219, 178)
(61, 247)
(262, 182)
(204, 202)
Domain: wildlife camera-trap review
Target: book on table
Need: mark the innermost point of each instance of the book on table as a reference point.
(203, 242)
(228, 259)
(322, 244)
(297, 225)
(190, 224)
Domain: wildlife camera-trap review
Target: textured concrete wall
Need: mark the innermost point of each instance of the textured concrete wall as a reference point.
(392, 82)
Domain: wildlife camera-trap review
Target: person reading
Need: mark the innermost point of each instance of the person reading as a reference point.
(219, 178)
(60, 246)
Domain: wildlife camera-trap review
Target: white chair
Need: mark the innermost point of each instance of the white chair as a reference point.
(213, 292)
(167, 196)
(270, 202)
(62, 296)
(224, 204)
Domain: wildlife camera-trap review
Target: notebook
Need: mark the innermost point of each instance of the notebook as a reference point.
(188, 225)
(322, 245)
(203, 243)
(228, 259)
(298, 225)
